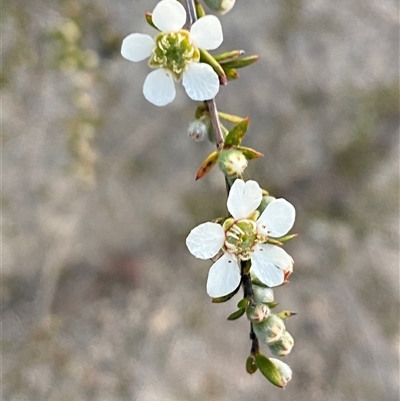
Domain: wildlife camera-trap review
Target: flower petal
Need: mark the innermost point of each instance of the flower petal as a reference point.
(206, 33)
(264, 267)
(278, 256)
(169, 16)
(223, 277)
(200, 81)
(277, 218)
(205, 240)
(244, 198)
(137, 46)
(159, 87)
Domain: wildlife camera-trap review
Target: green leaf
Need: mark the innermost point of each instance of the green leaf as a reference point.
(285, 314)
(269, 370)
(201, 110)
(243, 303)
(206, 57)
(237, 314)
(251, 366)
(274, 241)
(236, 134)
(207, 165)
(286, 238)
(230, 117)
(271, 305)
(228, 56)
(200, 10)
(149, 20)
(249, 153)
(240, 62)
(231, 74)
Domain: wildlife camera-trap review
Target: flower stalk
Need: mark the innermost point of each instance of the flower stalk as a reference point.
(246, 247)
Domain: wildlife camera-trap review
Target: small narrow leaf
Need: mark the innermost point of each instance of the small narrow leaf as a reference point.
(228, 56)
(206, 57)
(200, 10)
(269, 370)
(231, 74)
(149, 20)
(201, 110)
(273, 241)
(251, 366)
(286, 314)
(240, 62)
(230, 117)
(249, 153)
(207, 165)
(243, 303)
(286, 238)
(271, 305)
(237, 314)
(236, 134)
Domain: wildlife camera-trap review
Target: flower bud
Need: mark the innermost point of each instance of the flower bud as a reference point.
(284, 370)
(258, 313)
(270, 330)
(220, 6)
(232, 162)
(283, 346)
(263, 294)
(198, 129)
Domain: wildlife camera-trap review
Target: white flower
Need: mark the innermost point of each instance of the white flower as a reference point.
(242, 238)
(175, 54)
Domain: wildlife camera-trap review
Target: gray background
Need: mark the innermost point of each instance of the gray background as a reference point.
(101, 299)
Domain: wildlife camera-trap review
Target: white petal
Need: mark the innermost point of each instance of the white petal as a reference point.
(205, 240)
(137, 46)
(277, 218)
(159, 87)
(244, 198)
(169, 16)
(264, 267)
(200, 81)
(223, 277)
(278, 256)
(206, 33)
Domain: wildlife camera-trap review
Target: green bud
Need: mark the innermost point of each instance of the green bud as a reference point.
(263, 294)
(257, 313)
(284, 370)
(198, 129)
(283, 346)
(220, 6)
(270, 330)
(232, 162)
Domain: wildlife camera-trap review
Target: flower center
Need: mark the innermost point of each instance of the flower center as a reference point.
(240, 238)
(174, 52)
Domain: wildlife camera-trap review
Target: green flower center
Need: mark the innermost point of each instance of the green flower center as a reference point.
(174, 51)
(240, 238)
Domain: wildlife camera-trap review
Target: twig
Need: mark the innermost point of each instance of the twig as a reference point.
(219, 142)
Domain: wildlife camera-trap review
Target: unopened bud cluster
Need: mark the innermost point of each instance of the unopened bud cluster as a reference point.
(269, 327)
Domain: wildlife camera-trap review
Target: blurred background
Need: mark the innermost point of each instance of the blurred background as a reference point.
(101, 300)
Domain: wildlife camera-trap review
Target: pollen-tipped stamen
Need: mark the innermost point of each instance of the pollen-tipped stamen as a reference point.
(174, 51)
